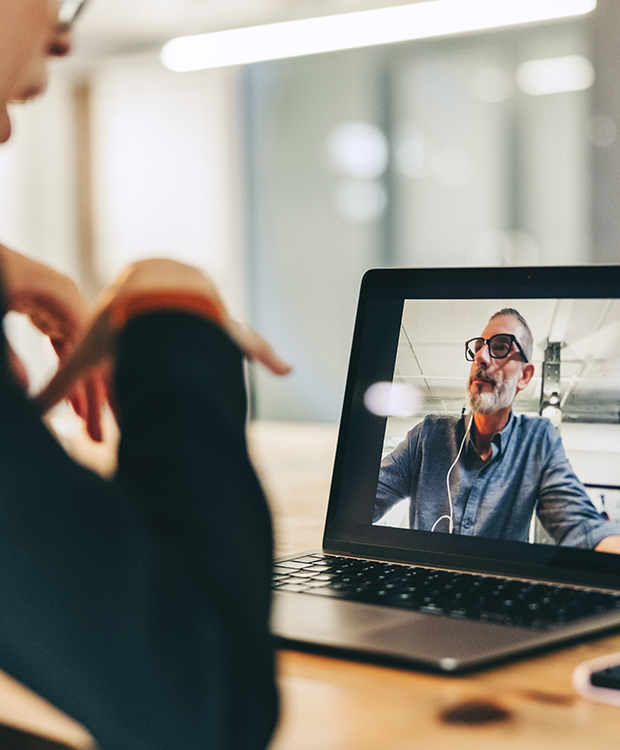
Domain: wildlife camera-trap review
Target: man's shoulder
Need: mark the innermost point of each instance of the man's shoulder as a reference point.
(435, 432)
(535, 427)
(444, 423)
(533, 422)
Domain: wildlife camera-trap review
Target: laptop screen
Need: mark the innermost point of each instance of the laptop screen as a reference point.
(481, 424)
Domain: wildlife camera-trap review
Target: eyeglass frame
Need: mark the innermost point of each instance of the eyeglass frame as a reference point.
(67, 23)
(511, 336)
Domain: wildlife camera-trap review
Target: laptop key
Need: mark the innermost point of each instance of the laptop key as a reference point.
(432, 609)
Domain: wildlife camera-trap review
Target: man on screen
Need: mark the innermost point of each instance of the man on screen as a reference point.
(487, 473)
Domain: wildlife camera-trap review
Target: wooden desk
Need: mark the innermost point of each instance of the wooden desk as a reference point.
(334, 704)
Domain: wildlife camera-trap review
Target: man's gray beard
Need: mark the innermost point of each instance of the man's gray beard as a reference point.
(488, 402)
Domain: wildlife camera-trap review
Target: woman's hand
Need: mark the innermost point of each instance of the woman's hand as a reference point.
(98, 347)
(55, 306)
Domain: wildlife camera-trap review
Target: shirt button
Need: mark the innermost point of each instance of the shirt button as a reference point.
(467, 524)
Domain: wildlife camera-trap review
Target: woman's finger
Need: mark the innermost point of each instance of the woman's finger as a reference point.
(256, 348)
(94, 348)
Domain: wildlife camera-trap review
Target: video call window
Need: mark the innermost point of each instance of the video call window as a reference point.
(554, 475)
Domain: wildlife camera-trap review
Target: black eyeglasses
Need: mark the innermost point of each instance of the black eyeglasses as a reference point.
(69, 11)
(499, 346)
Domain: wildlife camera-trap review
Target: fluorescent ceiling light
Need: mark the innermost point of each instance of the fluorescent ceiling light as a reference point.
(555, 75)
(361, 29)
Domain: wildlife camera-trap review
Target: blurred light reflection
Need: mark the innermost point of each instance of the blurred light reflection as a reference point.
(393, 400)
(555, 75)
(359, 149)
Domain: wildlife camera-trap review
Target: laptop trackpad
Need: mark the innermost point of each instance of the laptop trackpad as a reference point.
(442, 641)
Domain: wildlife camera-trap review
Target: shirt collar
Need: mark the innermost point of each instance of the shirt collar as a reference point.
(501, 438)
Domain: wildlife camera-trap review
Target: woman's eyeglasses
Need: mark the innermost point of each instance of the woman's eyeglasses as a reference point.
(69, 11)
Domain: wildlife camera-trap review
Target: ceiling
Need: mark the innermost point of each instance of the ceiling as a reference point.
(431, 352)
(109, 27)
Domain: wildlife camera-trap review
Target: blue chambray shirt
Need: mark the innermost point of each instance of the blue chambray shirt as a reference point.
(494, 499)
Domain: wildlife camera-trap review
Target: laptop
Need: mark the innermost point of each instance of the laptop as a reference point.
(387, 588)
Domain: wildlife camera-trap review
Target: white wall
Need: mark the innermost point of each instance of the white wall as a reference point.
(166, 179)
(594, 451)
(38, 214)
(166, 170)
(37, 178)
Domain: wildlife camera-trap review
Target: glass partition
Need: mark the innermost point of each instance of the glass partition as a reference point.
(472, 150)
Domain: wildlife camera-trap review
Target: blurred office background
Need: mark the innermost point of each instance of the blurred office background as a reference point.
(286, 180)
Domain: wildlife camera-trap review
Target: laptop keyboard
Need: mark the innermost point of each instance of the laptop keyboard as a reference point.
(501, 600)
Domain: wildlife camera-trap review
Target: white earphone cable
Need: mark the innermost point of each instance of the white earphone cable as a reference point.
(450, 516)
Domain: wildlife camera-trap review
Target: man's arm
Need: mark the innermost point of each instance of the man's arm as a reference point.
(564, 508)
(394, 482)
(609, 544)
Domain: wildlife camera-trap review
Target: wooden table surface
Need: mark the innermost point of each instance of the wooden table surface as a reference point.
(335, 704)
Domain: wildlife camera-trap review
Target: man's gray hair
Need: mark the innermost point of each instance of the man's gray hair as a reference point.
(527, 341)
